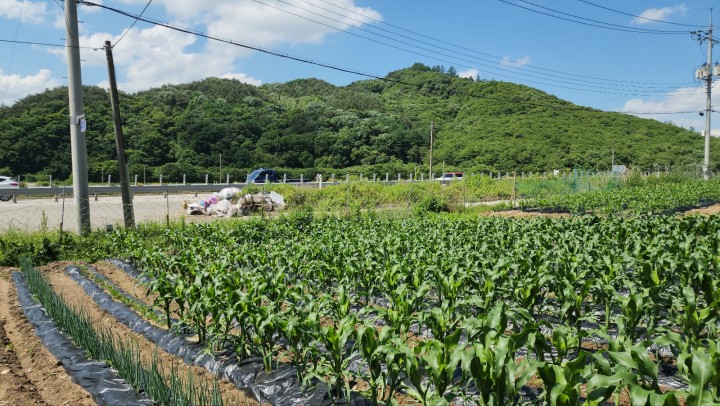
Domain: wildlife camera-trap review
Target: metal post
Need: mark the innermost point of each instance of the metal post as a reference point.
(184, 178)
(708, 105)
(78, 146)
(706, 73)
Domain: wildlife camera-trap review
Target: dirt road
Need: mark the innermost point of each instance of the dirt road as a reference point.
(30, 213)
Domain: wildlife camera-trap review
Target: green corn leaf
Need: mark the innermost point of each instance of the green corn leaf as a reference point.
(638, 395)
(701, 374)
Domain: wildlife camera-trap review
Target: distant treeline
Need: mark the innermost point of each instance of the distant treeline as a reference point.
(308, 125)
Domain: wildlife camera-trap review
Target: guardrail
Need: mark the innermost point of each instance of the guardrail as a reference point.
(115, 189)
(176, 188)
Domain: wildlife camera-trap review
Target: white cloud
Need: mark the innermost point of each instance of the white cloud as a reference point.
(26, 11)
(242, 77)
(508, 61)
(470, 73)
(689, 101)
(662, 13)
(151, 57)
(14, 87)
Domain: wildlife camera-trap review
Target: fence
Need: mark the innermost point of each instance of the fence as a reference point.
(39, 208)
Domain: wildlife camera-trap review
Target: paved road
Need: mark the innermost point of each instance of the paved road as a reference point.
(32, 214)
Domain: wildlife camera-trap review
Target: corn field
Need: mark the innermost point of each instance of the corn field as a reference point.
(492, 311)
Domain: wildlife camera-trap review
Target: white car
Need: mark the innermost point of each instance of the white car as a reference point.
(6, 184)
(451, 176)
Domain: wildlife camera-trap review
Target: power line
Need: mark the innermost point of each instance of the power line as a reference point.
(133, 24)
(528, 66)
(12, 51)
(565, 106)
(635, 16)
(492, 67)
(46, 44)
(592, 23)
(586, 86)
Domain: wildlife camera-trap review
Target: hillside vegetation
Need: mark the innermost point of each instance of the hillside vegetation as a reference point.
(381, 126)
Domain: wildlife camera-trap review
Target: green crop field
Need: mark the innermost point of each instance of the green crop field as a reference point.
(441, 308)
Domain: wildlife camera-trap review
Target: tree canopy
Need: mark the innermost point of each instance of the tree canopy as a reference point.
(479, 126)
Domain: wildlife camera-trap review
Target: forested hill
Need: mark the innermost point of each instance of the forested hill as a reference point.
(479, 126)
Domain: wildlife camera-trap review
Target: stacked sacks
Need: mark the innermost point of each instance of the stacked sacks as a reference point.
(230, 202)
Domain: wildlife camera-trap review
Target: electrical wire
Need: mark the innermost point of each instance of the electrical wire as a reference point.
(47, 44)
(12, 51)
(526, 66)
(592, 23)
(133, 24)
(566, 105)
(635, 16)
(565, 80)
(586, 85)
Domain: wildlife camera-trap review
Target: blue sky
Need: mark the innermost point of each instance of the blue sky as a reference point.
(612, 67)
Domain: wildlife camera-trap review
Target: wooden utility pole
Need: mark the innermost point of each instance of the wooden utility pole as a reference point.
(128, 215)
(431, 149)
(78, 146)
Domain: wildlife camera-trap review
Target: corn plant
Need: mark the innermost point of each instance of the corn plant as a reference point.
(336, 355)
(437, 360)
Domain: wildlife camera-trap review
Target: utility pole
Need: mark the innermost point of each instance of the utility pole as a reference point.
(431, 149)
(78, 126)
(706, 73)
(128, 215)
(220, 169)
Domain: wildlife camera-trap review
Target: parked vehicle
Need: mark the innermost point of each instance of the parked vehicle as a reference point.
(451, 176)
(261, 175)
(6, 185)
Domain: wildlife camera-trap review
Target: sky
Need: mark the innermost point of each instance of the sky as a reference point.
(637, 57)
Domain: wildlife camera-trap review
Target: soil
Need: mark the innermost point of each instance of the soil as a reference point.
(29, 374)
(710, 210)
(75, 295)
(523, 214)
(125, 282)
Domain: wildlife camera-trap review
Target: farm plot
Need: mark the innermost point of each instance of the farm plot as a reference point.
(87, 341)
(653, 198)
(435, 310)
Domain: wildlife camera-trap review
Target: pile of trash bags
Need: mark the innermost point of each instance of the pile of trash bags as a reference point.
(230, 202)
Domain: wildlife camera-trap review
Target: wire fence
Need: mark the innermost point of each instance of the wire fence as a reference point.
(58, 210)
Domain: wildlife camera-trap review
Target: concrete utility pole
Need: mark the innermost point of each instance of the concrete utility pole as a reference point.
(77, 119)
(706, 73)
(128, 214)
(431, 148)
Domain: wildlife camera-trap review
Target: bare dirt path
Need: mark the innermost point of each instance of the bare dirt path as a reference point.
(29, 374)
(710, 210)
